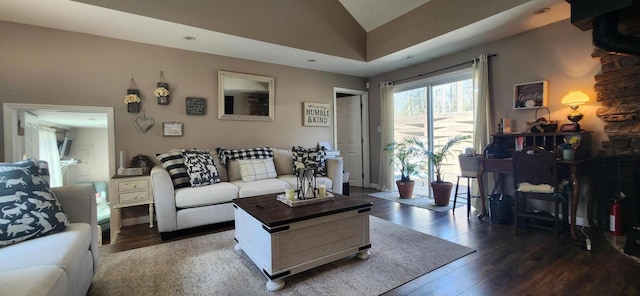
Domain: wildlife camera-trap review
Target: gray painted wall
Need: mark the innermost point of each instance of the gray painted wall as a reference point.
(46, 66)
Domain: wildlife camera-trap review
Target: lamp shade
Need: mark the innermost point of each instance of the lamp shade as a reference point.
(575, 98)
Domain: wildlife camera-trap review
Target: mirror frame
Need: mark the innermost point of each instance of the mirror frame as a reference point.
(222, 75)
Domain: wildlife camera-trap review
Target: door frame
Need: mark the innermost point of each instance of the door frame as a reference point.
(364, 125)
(10, 113)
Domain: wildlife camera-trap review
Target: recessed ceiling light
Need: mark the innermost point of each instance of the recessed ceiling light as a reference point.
(311, 60)
(189, 37)
(408, 57)
(541, 10)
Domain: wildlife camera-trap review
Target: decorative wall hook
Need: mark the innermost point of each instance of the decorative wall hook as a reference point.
(144, 123)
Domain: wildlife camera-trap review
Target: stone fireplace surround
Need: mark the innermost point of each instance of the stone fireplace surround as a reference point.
(617, 166)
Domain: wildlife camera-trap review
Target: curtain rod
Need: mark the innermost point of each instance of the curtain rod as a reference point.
(442, 69)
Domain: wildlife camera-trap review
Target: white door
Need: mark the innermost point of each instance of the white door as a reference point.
(31, 136)
(349, 136)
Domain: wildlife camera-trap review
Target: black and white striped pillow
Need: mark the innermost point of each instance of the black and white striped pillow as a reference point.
(173, 162)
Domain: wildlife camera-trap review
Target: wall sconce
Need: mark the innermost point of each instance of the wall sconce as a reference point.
(574, 99)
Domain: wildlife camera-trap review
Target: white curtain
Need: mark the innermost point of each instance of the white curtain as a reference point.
(49, 153)
(482, 101)
(386, 181)
(481, 136)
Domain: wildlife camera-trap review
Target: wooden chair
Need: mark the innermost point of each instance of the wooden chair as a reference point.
(469, 169)
(535, 178)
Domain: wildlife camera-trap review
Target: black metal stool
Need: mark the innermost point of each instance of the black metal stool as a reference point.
(469, 168)
(469, 196)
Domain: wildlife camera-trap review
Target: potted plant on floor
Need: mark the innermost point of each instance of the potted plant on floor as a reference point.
(441, 189)
(405, 157)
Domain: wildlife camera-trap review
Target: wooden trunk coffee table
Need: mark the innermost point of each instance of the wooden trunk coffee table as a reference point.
(283, 240)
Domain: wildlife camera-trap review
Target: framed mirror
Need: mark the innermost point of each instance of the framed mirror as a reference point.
(245, 97)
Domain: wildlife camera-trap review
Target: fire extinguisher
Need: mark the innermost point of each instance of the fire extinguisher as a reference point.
(615, 218)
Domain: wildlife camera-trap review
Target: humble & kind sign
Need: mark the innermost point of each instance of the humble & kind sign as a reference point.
(316, 114)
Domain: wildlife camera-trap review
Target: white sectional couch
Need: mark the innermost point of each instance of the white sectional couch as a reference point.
(62, 263)
(183, 208)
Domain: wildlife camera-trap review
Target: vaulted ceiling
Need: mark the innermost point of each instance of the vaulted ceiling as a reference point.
(355, 37)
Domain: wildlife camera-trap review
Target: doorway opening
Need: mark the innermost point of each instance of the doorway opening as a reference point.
(81, 138)
(351, 133)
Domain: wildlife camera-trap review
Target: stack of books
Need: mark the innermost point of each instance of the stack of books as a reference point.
(331, 153)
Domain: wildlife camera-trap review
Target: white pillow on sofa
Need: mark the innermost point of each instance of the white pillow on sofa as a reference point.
(257, 169)
(282, 158)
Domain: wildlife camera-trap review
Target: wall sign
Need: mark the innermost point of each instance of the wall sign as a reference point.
(172, 129)
(196, 106)
(530, 95)
(316, 114)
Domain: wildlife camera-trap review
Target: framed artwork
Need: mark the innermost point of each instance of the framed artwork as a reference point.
(196, 106)
(530, 95)
(172, 129)
(316, 114)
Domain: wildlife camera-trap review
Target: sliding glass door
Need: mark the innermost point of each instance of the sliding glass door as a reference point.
(434, 110)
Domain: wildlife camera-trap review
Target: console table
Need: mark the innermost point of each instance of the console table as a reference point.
(574, 169)
(283, 240)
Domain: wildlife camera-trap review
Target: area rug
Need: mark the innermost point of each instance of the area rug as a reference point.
(418, 201)
(209, 265)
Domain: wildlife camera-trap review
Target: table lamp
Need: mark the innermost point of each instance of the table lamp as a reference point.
(574, 99)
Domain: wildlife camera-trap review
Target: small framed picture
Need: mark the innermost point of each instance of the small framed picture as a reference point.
(530, 95)
(172, 129)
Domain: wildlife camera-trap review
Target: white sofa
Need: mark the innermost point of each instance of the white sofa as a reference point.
(183, 208)
(62, 263)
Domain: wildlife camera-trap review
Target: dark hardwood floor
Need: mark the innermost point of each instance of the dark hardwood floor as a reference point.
(503, 264)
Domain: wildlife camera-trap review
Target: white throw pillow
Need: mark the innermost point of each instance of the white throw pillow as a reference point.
(257, 169)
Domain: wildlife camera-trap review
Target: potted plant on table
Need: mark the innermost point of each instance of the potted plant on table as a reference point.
(406, 158)
(569, 147)
(441, 189)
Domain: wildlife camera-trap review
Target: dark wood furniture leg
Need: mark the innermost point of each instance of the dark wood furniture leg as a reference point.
(483, 196)
(575, 197)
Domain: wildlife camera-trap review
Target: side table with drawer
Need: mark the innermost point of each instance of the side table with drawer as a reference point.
(129, 191)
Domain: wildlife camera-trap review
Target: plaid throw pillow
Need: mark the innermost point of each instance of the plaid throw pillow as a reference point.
(257, 169)
(227, 155)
